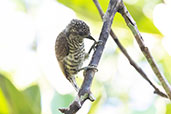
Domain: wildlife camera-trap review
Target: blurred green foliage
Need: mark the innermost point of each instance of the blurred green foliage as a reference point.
(3, 103)
(168, 109)
(21, 5)
(60, 101)
(86, 8)
(14, 101)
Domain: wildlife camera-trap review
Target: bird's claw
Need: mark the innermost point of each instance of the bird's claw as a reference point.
(100, 42)
(88, 67)
(96, 43)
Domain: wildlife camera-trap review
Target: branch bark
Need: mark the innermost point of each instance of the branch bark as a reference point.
(123, 50)
(133, 27)
(84, 92)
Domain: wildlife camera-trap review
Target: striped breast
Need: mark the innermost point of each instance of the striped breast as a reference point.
(74, 60)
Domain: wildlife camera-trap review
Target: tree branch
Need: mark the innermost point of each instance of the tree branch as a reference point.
(133, 27)
(123, 50)
(84, 92)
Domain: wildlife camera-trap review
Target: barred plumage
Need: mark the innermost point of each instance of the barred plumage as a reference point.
(69, 48)
(76, 57)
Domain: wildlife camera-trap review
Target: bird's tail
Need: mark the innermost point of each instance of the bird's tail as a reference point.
(74, 83)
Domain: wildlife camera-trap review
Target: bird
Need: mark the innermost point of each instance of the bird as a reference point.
(70, 49)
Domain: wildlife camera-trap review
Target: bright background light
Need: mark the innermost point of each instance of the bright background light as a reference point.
(27, 40)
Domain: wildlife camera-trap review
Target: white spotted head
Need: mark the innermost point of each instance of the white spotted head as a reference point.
(78, 28)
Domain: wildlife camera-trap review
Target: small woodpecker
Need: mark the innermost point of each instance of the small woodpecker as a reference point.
(70, 51)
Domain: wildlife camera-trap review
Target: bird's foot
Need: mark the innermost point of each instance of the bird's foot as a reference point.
(88, 67)
(96, 43)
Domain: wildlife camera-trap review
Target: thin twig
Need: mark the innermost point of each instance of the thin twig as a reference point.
(133, 27)
(84, 92)
(123, 50)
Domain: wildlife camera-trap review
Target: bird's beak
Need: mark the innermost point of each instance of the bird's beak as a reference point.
(91, 38)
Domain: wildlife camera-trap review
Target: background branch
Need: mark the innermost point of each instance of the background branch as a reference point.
(123, 50)
(84, 92)
(133, 27)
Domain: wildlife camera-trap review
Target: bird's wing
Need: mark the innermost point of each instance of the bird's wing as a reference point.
(62, 50)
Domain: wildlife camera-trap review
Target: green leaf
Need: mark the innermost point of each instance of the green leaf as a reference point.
(87, 9)
(60, 101)
(33, 96)
(144, 23)
(3, 104)
(168, 109)
(95, 105)
(18, 103)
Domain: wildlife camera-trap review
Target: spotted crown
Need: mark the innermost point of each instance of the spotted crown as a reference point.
(79, 27)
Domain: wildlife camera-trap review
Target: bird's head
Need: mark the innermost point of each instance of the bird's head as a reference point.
(78, 29)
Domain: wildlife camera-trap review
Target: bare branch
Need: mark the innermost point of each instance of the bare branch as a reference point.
(133, 27)
(84, 92)
(132, 62)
